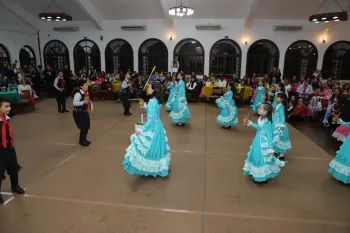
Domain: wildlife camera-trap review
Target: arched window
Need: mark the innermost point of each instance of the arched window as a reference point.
(4, 58)
(190, 54)
(300, 60)
(27, 56)
(225, 57)
(263, 55)
(56, 55)
(87, 56)
(153, 52)
(336, 61)
(119, 56)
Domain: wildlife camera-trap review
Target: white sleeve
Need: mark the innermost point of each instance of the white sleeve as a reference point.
(92, 106)
(30, 90)
(76, 100)
(19, 88)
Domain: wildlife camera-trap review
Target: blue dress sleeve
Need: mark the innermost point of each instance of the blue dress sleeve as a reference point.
(254, 125)
(282, 121)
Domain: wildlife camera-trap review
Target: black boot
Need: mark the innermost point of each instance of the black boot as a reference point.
(82, 138)
(14, 184)
(1, 200)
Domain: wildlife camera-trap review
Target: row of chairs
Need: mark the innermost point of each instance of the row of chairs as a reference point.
(96, 92)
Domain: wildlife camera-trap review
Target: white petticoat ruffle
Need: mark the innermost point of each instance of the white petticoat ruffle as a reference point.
(265, 170)
(229, 118)
(139, 161)
(179, 114)
(339, 167)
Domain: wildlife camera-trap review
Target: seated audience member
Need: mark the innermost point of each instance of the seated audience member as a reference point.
(207, 81)
(191, 85)
(248, 82)
(328, 114)
(302, 80)
(327, 91)
(294, 81)
(4, 81)
(25, 92)
(299, 112)
(315, 84)
(222, 82)
(304, 91)
(287, 87)
(291, 104)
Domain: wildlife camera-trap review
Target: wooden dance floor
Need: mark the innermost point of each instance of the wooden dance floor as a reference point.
(75, 190)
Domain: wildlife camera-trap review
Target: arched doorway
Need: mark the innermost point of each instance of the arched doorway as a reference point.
(190, 54)
(153, 52)
(225, 57)
(27, 57)
(4, 58)
(56, 55)
(336, 61)
(263, 55)
(119, 56)
(300, 59)
(86, 56)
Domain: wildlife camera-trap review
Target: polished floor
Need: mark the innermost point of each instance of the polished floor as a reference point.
(75, 190)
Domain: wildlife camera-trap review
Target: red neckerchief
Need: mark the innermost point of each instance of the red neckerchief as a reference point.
(62, 83)
(3, 131)
(89, 103)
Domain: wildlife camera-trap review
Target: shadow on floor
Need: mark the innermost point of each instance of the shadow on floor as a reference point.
(319, 135)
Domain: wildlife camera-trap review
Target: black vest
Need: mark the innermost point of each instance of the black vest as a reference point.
(60, 82)
(83, 107)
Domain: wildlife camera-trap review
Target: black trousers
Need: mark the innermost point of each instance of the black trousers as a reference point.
(9, 164)
(61, 101)
(126, 102)
(82, 120)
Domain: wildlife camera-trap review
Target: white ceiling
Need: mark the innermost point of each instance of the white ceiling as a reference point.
(98, 10)
(35, 7)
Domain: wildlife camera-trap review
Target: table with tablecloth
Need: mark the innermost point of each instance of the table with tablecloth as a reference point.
(11, 96)
(207, 91)
(248, 92)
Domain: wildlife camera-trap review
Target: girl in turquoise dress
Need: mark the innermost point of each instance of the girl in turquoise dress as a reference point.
(180, 113)
(339, 168)
(259, 98)
(281, 141)
(261, 163)
(148, 154)
(229, 112)
(173, 87)
(279, 89)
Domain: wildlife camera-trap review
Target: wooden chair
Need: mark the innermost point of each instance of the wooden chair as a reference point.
(107, 93)
(95, 91)
(239, 97)
(217, 93)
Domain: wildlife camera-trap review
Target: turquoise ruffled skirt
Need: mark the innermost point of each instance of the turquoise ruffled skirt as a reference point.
(148, 153)
(228, 115)
(259, 164)
(256, 103)
(171, 100)
(339, 167)
(281, 140)
(180, 112)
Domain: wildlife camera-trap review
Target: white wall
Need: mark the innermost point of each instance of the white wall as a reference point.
(14, 34)
(185, 28)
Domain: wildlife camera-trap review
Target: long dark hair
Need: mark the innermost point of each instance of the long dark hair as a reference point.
(77, 88)
(284, 102)
(233, 88)
(157, 92)
(283, 88)
(268, 107)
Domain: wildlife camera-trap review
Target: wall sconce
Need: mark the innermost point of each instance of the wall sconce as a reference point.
(324, 40)
(171, 37)
(245, 41)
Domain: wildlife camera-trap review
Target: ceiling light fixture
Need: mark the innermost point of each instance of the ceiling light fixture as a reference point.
(330, 16)
(181, 10)
(57, 16)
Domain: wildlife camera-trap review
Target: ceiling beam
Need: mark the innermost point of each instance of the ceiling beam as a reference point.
(166, 6)
(250, 15)
(91, 11)
(22, 14)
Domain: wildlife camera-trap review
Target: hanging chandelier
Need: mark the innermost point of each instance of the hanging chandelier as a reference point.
(181, 10)
(55, 16)
(330, 16)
